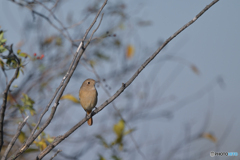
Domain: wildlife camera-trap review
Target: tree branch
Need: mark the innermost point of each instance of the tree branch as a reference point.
(14, 138)
(58, 93)
(59, 139)
(58, 151)
(5, 94)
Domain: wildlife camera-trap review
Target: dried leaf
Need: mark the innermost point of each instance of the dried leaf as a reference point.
(210, 137)
(130, 51)
(48, 40)
(195, 69)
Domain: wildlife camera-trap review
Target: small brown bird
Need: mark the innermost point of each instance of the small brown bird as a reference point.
(88, 97)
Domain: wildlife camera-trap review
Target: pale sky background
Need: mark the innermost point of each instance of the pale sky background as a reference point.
(212, 43)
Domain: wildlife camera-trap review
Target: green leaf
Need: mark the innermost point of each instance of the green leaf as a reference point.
(30, 150)
(2, 49)
(102, 56)
(24, 55)
(28, 104)
(101, 157)
(22, 71)
(3, 40)
(20, 107)
(104, 143)
(1, 35)
(92, 63)
(115, 157)
(58, 41)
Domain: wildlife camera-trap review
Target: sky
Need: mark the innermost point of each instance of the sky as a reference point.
(212, 44)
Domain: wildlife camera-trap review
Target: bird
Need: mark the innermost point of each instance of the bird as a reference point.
(88, 97)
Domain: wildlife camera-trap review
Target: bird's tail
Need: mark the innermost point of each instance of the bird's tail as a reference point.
(90, 121)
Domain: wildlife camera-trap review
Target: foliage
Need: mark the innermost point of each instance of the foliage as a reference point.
(120, 132)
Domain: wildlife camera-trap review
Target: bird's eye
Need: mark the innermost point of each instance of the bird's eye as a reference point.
(88, 82)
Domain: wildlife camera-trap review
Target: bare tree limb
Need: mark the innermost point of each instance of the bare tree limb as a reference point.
(5, 94)
(59, 92)
(59, 139)
(120, 115)
(14, 138)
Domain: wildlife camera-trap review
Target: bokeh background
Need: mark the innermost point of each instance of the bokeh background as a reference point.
(183, 105)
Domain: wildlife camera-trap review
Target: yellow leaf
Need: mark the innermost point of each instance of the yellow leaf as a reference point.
(119, 128)
(129, 131)
(11, 99)
(42, 144)
(58, 41)
(210, 137)
(92, 63)
(121, 26)
(130, 51)
(22, 137)
(30, 150)
(195, 69)
(24, 55)
(1, 63)
(70, 97)
(18, 51)
(50, 139)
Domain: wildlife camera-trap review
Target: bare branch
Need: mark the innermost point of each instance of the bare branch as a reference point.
(5, 74)
(59, 139)
(14, 138)
(46, 18)
(54, 5)
(120, 115)
(58, 151)
(58, 92)
(5, 94)
(51, 13)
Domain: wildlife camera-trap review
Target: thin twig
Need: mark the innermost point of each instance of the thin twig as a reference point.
(59, 139)
(5, 74)
(120, 115)
(54, 5)
(46, 18)
(58, 151)
(51, 13)
(14, 138)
